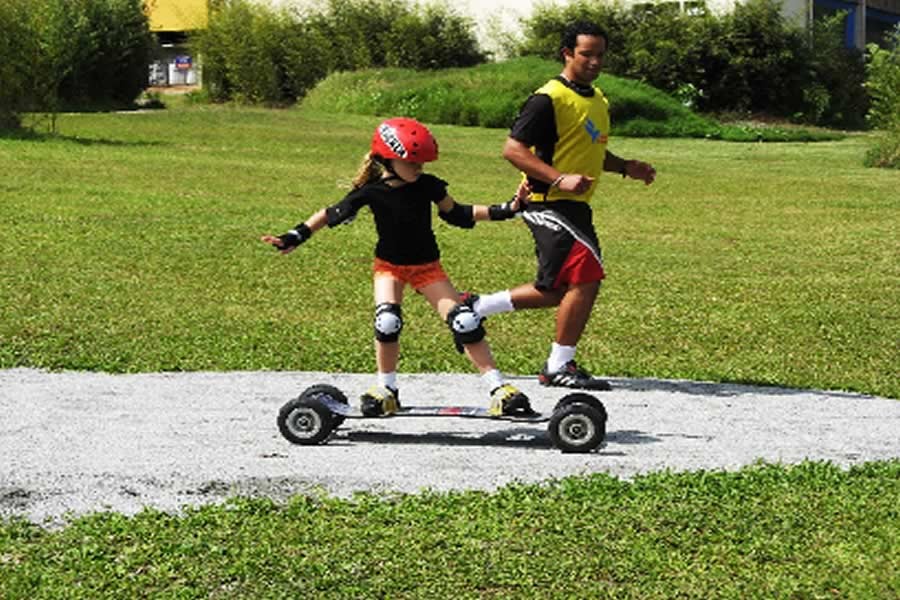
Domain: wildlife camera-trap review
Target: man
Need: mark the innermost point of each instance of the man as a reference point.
(559, 142)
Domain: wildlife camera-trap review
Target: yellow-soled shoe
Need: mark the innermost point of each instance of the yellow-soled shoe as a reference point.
(508, 400)
(379, 400)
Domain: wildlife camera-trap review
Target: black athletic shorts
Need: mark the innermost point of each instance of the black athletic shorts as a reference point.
(566, 245)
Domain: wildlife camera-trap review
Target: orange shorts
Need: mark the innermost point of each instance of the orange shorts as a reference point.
(417, 276)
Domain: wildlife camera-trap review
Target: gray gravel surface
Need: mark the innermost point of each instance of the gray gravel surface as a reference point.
(76, 443)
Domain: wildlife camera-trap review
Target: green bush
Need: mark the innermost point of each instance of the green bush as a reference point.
(74, 54)
(246, 71)
(835, 94)
(436, 39)
(13, 73)
(256, 53)
(669, 50)
(754, 61)
(354, 31)
(750, 60)
(541, 31)
(883, 84)
(885, 152)
(114, 49)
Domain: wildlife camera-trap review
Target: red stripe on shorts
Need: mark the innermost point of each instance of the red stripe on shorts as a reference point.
(581, 266)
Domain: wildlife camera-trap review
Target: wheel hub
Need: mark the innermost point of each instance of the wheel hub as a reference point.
(304, 422)
(576, 428)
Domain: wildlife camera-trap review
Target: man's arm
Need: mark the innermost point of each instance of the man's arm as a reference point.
(524, 159)
(536, 126)
(635, 169)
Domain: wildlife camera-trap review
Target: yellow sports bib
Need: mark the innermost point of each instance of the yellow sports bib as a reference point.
(582, 128)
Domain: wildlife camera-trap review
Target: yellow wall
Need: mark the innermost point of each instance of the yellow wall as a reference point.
(177, 15)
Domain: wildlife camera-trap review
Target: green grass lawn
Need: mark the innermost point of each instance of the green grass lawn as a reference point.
(811, 531)
(130, 243)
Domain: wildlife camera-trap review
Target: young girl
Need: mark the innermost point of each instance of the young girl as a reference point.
(391, 182)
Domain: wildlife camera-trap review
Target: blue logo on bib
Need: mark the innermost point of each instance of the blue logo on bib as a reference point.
(592, 131)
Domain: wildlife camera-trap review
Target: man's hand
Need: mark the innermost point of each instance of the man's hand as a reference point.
(574, 183)
(637, 169)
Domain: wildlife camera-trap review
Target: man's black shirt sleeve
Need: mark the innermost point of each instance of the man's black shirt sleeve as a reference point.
(535, 126)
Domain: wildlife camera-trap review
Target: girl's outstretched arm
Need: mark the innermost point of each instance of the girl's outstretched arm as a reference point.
(286, 242)
(449, 208)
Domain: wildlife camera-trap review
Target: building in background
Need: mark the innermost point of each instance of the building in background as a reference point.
(171, 21)
(867, 21)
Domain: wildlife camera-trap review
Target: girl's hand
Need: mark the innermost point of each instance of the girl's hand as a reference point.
(513, 206)
(286, 242)
(522, 197)
(278, 243)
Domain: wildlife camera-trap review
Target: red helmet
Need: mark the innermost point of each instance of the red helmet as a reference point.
(406, 139)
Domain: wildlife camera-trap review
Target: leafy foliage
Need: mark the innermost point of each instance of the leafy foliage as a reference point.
(14, 38)
(256, 53)
(883, 84)
(72, 54)
(749, 60)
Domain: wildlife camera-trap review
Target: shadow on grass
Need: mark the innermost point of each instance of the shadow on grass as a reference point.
(105, 142)
(29, 135)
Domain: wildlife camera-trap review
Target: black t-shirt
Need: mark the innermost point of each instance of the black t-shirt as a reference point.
(402, 217)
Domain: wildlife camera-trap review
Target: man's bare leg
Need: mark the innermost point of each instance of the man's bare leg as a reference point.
(527, 296)
(574, 312)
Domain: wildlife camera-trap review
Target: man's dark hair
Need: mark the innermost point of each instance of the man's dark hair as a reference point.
(576, 28)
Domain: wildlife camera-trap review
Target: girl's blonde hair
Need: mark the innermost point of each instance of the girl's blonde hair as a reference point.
(370, 170)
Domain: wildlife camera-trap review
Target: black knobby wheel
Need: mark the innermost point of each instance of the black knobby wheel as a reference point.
(583, 398)
(305, 422)
(322, 391)
(307, 419)
(577, 427)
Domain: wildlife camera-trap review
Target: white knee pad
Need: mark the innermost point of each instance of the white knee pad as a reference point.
(465, 324)
(388, 322)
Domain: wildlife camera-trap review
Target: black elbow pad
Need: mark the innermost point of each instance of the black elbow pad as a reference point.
(461, 215)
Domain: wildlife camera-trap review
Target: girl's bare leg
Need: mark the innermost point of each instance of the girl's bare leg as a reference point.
(387, 354)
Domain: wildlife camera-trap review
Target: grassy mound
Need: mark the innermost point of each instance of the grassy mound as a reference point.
(490, 95)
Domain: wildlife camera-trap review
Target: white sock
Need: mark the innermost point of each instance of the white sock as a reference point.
(492, 304)
(559, 356)
(388, 380)
(493, 379)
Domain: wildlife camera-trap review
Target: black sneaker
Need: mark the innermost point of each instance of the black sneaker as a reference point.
(572, 376)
